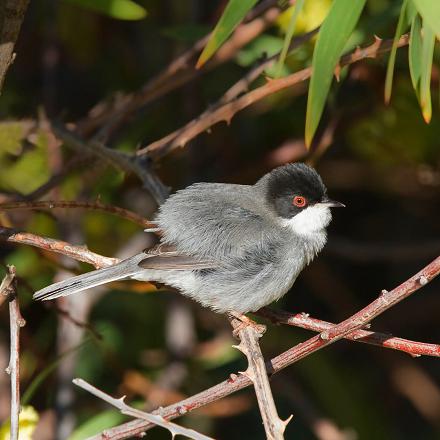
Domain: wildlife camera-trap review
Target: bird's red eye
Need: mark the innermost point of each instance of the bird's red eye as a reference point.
(299, 201)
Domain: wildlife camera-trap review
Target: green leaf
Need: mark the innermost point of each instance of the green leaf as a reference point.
(120, 9)
(335, 31)
(233, 14)
(415, 54)
(95, 424)
(428, 41)
(289, 34)
(430, 12)
(401, 25)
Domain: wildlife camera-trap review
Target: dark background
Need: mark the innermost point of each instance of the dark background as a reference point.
(382, 161)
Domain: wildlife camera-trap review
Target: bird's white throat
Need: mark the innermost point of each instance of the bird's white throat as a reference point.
(310, 221)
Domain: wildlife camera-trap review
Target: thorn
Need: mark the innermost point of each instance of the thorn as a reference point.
(209, 130)
(305, 315)
(423, 280)
(415, 355)
(325, 335)
(8, 370)
(228, 120)
(233, 377)
(182, 410)
(286, 422)
(21, 322)
(383, 291)
(122, 399)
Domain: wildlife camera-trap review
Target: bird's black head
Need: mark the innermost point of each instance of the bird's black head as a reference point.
(292, 188)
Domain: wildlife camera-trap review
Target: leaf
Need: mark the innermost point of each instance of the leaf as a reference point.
(428, 41)
(289, 35)
(334, 33)
(95, 424)
(120, 9)
(430, 12)
(415, 54)
(401, 25)
(233, 14)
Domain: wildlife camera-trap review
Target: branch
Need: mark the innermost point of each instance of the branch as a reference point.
(225, 112)
(95, 206)
(8, 288)
(238, 382)
(179, 72)
(11, 17)
(122, 161)
(133, 412)
(80, 253)
(303, 320)
(256, 372)
(235, 90)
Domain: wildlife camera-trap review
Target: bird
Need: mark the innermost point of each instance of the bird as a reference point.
(232, 248)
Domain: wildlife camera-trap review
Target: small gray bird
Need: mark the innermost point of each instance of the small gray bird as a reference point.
(233, 248)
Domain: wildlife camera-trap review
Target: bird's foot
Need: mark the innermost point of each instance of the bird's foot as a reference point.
(244, 321)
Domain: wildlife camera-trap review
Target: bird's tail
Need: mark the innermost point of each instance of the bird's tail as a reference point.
(124, 269)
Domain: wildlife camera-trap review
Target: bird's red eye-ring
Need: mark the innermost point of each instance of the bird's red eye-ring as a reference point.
(299, 201)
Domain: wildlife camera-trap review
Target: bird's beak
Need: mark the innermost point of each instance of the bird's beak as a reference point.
(332, 203)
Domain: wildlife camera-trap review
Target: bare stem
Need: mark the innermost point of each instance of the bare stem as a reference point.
(238, 382)
(95, 206)
(80, 253)
(303, 320)
(133, 412)
(8, 287)
(257, 373)
(226, 112)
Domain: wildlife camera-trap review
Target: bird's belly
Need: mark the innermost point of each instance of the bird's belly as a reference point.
(238, 289)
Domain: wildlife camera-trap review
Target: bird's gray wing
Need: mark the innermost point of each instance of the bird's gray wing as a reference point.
(166, 257)
(213, 220)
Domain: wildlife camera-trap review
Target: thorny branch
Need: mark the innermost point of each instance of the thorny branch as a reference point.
(80, 253)
(294, 354)
(122, 161)
(8, 289)
(226, 112)
(133, 412)
(302, 320)
(256, 372)
(179, 72)
(349, 329)
(94, 206)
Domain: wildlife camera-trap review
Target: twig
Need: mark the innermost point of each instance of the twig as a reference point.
(226, 112)
(257, 373)
(179, 72)
(11, 17)
(235, 90)
(95, 206)
(303, 320)
(122, 161)
(8, 287)
(238, 382)
(80, 253)
(133, 412)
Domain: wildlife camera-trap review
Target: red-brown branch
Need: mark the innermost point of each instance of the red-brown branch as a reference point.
(225, 112)
(303, 320)
(9, 290)
(238, 382)
(80, 253)
(94, 206)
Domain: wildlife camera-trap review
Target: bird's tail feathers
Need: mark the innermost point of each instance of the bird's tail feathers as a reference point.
(124, 269)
